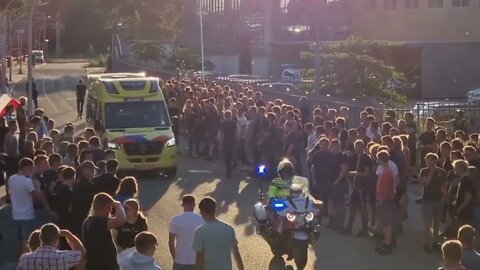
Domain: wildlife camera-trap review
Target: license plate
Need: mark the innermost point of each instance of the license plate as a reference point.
(143, 167)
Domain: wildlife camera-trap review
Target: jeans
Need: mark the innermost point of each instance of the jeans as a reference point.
(24, 228)
(242, 153)
(228, 151)
(177, 266)
(358, 205)
(80, 103)
(337, 196)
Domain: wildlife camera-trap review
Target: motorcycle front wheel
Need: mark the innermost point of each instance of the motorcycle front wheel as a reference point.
(300, 253)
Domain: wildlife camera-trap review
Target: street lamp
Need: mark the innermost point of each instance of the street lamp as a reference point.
(20, 33)
(46, 47)
(201, 39)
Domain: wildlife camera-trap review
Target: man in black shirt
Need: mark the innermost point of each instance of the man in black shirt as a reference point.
(81, 91)
(108, 182)
(50, 176)
(96, 236)
(83, 192)
(175, 113)
(357, 198)
(426, 141)
(339, 170)
(320, 162)
(434, 180)
(228, 128)
(64, 198)
(97, 152)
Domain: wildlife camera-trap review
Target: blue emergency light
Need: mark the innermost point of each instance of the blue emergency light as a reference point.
(278, 205)
(261, 170)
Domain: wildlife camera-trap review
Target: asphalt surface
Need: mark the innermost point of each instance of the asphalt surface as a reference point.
(160, 199)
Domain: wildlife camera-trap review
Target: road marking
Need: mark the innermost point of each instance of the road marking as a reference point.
(45, 94)
(200, 171)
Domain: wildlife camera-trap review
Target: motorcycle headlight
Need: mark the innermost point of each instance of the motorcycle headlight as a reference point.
(112, 145)
(291, 217)
(309, 217)
(170, 142)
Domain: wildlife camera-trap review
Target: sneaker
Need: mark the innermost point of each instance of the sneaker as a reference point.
(419, 199)
(385, 250)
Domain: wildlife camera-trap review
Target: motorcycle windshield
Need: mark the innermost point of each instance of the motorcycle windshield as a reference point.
(300, 186)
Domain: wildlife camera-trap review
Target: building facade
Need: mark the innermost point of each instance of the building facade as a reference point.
(252, 36)
(446, 31)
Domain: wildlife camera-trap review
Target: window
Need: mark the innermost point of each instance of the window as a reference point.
(411, 4)
(460, 3)
(390, 4)
(435, 3)
(136, 114)
(370, 4)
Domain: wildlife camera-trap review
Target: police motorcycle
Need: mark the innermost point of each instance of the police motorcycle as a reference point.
(289, 225)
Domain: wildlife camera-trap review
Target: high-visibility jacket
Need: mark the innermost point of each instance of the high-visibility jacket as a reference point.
(279, 188)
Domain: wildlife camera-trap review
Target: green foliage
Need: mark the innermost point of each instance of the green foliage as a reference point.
(147, 50)
(353, 69)
(146, 19)
(184, 58)
(92, 22)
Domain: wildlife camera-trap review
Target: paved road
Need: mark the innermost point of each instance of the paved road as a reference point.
(235, 196)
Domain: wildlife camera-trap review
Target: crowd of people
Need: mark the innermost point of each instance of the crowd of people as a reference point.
(363, 169)
(70, 179)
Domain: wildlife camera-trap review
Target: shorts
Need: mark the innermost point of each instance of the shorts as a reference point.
(177, 266)
(386, 213)
(24, 228)
(431, 210)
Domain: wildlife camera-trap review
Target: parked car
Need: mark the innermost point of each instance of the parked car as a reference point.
(473, 96)
(291, 74)
(38, 56)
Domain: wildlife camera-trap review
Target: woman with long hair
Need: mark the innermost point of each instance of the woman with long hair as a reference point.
(128, 189)
(135, 224)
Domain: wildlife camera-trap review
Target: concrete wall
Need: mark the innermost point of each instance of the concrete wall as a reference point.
(450, 69)
(227, 64)
(421, 25)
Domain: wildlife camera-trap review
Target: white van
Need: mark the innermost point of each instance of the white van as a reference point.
(38, 56)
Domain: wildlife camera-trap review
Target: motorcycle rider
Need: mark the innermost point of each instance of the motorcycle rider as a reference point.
(280, 186)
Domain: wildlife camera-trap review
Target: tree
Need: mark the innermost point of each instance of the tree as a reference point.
(146, 19)
(353, 69)
(147, 50)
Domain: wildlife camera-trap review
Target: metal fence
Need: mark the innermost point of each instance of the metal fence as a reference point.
(441, 111)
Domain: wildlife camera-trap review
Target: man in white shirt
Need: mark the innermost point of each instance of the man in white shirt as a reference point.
(22, 193)
(47, 256)
(182, 229)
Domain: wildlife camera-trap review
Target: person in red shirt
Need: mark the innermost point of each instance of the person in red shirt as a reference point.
(386, 208)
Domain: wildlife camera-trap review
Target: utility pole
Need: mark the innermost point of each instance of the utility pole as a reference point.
(318, 57)
(30, 104)
(10, 58)
(57, 36)
(201, 40)
(3, 55)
